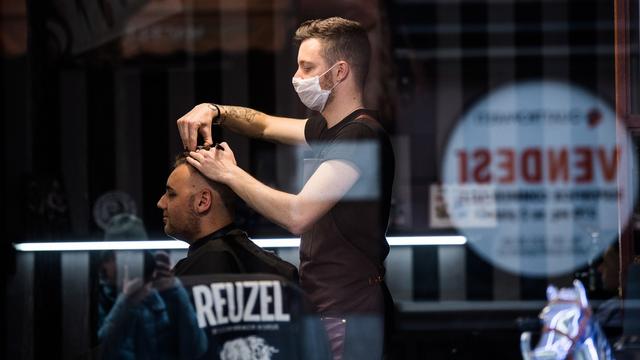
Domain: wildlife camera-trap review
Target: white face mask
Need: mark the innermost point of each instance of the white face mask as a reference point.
(310, 92)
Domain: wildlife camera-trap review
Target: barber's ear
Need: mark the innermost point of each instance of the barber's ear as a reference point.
(203, 201)
(343, 70)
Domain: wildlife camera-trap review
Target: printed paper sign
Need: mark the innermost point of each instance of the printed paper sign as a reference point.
(530, 176)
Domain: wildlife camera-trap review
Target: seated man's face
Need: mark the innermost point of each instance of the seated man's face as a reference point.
(179, 216)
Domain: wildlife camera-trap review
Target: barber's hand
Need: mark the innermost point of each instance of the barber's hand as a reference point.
(216, 164)
(197, 120)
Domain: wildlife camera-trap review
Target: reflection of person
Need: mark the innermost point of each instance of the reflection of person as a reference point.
(152, 320)
(120, 227)
(107, 285)
(608, 313)
(125, 226)
(343, 242)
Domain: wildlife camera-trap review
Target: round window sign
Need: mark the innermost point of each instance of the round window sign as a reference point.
(531, 177)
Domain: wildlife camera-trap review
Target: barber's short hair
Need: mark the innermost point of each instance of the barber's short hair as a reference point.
(343, 40)
(227, 196)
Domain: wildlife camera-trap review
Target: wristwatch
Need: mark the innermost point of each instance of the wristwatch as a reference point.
(218, 119)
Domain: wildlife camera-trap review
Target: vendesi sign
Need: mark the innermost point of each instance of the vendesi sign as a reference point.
(530, 176)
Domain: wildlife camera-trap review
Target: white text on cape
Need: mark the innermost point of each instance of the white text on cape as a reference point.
(235, 302)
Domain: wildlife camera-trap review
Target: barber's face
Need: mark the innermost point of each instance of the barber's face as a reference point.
(178, 205)
(311, 62)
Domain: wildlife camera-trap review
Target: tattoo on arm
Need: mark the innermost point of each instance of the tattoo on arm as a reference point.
(244, 120)
(239, 113)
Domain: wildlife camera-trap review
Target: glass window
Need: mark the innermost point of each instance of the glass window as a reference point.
(500, 114)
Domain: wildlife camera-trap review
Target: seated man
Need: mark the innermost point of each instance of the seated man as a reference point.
(153, 318)
(200, 212)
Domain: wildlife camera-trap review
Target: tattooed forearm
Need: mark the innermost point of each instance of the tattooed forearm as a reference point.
(239, 113)
(243, 120)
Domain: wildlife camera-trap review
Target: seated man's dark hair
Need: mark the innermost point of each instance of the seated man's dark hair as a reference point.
(226, 194)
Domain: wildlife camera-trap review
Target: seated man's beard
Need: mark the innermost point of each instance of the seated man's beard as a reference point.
(190, 229)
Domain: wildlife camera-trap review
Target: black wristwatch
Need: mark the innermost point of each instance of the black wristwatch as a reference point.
(218, 119)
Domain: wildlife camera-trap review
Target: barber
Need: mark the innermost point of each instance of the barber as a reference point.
(342, 210)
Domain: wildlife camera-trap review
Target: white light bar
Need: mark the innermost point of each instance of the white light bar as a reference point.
(277, 243)
(175, 244)
(426, 240)
(102, 245)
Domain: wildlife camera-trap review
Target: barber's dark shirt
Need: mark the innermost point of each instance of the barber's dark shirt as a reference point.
(345, 249)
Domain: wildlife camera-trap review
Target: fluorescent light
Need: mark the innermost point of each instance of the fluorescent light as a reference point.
(102, 245)
(277, 243)
(426, 240)
(175, 244)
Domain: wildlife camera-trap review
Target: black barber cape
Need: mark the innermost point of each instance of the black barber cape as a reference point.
(263, 314)
(230, 251)
(209, 255)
